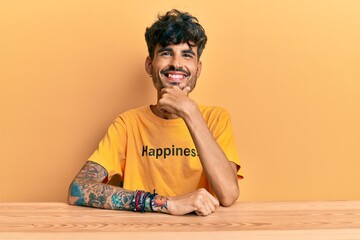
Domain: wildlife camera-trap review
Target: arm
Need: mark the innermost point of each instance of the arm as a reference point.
(88, 190)
(219, 171)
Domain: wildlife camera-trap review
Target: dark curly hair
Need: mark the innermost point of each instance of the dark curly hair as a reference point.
(175, 27)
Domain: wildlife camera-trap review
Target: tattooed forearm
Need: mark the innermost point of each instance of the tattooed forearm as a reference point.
(94, 194)
(122, 200)
(87, 189)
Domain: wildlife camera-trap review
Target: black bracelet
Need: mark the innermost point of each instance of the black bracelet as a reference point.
(145, 196)
(141, 206)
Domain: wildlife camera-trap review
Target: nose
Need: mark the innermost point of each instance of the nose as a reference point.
(176, 61)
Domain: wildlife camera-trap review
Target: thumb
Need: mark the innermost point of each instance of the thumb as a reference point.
(187, 90)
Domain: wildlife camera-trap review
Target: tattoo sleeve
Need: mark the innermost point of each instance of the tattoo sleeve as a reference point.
(87, 189)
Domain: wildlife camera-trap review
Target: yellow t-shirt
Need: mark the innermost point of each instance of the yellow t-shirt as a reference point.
(150, 153)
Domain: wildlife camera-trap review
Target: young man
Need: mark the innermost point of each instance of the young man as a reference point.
(184, 151)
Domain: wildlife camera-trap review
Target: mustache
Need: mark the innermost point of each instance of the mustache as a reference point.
(172, 68)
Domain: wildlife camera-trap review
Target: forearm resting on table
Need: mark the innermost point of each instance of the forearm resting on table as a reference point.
(87, 189)
(90, 193)
(84, 192)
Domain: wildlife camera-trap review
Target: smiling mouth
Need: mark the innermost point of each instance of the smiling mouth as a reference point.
(175, 76)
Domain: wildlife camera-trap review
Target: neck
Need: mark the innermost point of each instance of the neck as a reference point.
(162, 113)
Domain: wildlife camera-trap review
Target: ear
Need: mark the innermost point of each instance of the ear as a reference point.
(199, 66)
(148, 65)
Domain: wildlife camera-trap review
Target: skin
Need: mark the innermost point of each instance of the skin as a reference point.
(174, 70)
(174, 102)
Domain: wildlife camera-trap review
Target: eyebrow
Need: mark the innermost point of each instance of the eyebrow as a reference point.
(169, 49)
(190, 51)
(165, 49)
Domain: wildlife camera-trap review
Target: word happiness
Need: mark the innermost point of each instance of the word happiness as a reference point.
(167, 151)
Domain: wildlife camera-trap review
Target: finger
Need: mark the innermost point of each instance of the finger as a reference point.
(213, 200)
(204, 209)
(164, 106)
(211, 206)
(164, 90)
(198, 213)
(168, 89)
(201, 213)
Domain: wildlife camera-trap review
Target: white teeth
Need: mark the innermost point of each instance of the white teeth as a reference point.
(176, 76)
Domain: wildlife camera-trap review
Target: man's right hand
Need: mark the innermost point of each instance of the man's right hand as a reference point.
(200, 201)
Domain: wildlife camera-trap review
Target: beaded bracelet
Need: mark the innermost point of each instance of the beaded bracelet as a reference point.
(138, 194)
(135, 201)
(142, 198)
(138, 202)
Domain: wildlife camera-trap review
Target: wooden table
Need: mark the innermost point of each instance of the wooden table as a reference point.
(244, 220)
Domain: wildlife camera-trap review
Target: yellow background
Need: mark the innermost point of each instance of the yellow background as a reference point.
(288, 72)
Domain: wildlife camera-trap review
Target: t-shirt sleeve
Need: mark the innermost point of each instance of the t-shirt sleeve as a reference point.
(112, 149)
(225, 138)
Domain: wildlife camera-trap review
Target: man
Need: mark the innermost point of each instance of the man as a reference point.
(184, 151)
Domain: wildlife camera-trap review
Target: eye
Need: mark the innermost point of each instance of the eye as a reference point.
(165, 54)
(188, 55)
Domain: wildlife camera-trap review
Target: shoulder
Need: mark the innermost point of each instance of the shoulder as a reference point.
(214, 112)
(133, 114)
(218, 120)
(130, 117)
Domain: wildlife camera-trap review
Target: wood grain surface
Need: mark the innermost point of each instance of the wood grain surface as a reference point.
(253, 220)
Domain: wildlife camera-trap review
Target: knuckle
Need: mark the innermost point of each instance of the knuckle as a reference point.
(199, 198)
(202, 190)
(198, 203)
(162, 101)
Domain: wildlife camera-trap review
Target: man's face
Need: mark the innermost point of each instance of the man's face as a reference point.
(174, 65)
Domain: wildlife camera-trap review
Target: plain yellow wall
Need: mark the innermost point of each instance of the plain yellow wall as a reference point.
(288, 72)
